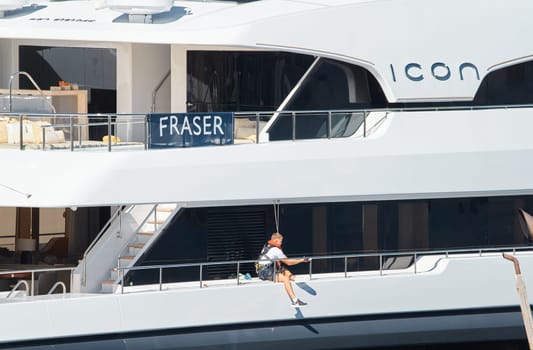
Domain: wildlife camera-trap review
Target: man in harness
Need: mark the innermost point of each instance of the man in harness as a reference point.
(265, 266)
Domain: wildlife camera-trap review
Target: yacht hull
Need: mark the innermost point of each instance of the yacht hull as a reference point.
(453, 326)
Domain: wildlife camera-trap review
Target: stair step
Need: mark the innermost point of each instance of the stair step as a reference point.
(165, 209)
(159, 221)
(136, 245)
(145, 233)
(107, 286)
(135, 248)
(127, 257)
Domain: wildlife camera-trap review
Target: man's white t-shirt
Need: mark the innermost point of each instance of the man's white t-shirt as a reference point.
(275, 253)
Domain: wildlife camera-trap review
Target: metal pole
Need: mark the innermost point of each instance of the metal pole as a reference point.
(21, 132)
(71, 134)
(32, 283)
(380, 265)
(257, 119)
(345, 267)
(415, 263)
(201, 273)
(238, 271)
(364, 124)
(524, 303)
(146, 125)
(329, 124)
(310, 270)
(160, 279)
(44, 138)
(109, 132)
(293, 126)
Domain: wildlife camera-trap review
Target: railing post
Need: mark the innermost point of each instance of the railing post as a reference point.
(146, 129)
(294, 126)
(109, 132)
(32, 283)
(329, 124)
(380, 265)
(257, 119)
(345, 267)
(310, 269)
(238, 271)
(155, 218)
(201, 274)
(79, 134)
(364, 124)
(44, 138)
(160, 279)
(120, 276)
(415, 262)
(21, 131)
(71, 128)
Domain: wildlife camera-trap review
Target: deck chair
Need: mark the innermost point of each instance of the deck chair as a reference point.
(526, 224)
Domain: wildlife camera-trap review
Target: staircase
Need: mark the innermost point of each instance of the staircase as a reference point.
(125, 238)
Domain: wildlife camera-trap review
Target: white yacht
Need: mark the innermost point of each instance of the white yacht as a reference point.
(148, 149)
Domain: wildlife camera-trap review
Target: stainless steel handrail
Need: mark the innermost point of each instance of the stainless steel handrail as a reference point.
(415, 254)
(16, 287)
(93, 243)
(33, 272)
(257, 115)
(11, 101)
(156, 89)
(58, 284)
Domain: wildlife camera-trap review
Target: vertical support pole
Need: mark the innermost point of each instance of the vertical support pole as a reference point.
(524, 302)
(201, 274)
(44, 138)
(310, 270)
(160, 278)
(345, 267)
(146, 130)
(294, 126)
(380, 265)
(71, 128)
(364, 123)
(329, 124)
(109, 132)
(257, 119)
(21, 131)
(32, 291)
(238, 272)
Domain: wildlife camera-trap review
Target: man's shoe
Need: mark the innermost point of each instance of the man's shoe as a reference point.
(297, 303)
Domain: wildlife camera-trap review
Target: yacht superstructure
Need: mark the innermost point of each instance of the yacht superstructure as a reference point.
(386, 139)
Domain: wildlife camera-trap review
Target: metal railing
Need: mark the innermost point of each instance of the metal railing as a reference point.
(415, 255)
(156, 90)
(104, 229)
(336, 124)
(20, 275)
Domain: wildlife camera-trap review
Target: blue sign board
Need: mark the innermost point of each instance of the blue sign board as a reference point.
(190, 129)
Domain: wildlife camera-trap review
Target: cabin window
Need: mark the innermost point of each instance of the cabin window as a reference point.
(320, 229)
(507, 86)
(331, 85)
(241, 81)
(91, 69)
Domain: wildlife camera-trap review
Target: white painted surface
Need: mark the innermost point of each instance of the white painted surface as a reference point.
(411, 155)
(359, 32)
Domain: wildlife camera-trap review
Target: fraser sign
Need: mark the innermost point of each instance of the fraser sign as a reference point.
(190, 129)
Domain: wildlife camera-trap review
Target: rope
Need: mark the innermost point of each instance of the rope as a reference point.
(276, 214)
